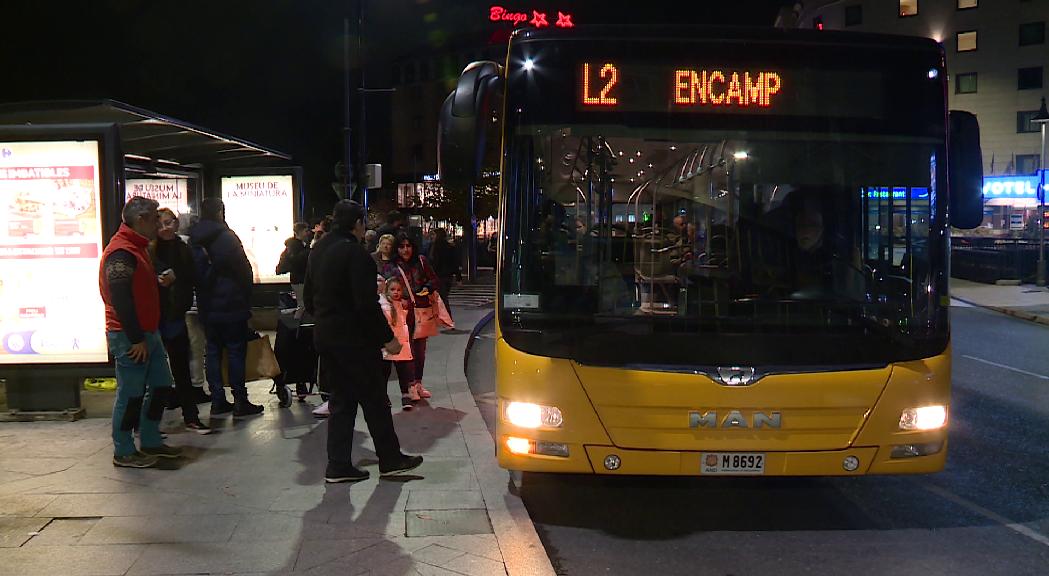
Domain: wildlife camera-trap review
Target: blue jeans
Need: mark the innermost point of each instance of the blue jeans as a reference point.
(142, 392)
(233, 338)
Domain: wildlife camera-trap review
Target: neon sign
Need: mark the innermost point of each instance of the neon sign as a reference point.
(1012, 186)
(536, 18)
(725, 88)
(897, 193)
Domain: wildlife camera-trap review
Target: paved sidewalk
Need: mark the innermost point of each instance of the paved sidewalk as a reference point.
(1025, 301)
(251, 499)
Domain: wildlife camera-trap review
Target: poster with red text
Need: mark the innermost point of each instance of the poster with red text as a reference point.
(170, 193)
(261, 210)
(50, 246)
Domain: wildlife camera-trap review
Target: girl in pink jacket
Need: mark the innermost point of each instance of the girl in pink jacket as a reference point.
(396, 307)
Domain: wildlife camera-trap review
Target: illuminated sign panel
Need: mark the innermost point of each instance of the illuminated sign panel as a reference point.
(629, 86)
(261, 210)
(897, 193)
(729, 88)
(168, 192)
(50, 246)
(536, 18)
(1023, 187)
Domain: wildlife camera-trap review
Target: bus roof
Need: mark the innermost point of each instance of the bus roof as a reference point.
(730, 34)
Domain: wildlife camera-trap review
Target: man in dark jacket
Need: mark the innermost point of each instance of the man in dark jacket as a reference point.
(349, 332)
(393, 226)
(224, 282)
(293, 259)
(173, 260)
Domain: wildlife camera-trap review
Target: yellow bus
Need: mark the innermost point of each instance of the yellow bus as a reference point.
(722, 252)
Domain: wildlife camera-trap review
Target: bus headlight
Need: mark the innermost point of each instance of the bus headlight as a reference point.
(528, 415)
(924, 418)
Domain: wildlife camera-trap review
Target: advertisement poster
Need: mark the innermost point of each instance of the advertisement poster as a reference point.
(50, 246)
(261, 210)
(169, 192)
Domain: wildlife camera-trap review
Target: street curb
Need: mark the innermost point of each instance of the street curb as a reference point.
(522, 551)
(1044, 320)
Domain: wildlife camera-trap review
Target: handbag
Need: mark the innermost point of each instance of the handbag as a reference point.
(425, 318)
(260, 361)
(444, 316)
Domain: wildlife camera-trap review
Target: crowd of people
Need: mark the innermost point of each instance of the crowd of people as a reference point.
(373, 297)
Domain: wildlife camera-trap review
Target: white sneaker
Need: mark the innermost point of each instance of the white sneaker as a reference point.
(322, 411)
(413, 393)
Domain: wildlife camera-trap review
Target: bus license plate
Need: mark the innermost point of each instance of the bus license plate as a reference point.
(736, 463)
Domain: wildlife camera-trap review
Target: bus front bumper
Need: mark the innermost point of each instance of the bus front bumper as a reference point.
(600, 459)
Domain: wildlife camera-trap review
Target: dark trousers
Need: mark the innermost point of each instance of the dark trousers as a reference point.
(233, 338)
(418, 358)
(446, 289)
(355, 378)
(405, 373)
(178, 355)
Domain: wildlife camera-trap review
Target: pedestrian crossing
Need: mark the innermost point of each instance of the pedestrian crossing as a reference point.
(472, 295)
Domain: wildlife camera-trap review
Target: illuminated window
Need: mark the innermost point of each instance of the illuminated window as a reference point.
(1026, 163)
(966, 4)
(967, 41)
(965, 83)
(1023, 122)
(1029, 78)
(908, 8)
(854, 15)
(1032, 33)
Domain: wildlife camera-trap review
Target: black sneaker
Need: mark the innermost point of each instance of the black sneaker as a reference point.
(406, 403)
(221, 409)
(344, 473)
(136, 460)
(404, 464)
(162, 451)
(199, 427)
(246, 408)
(200, 396)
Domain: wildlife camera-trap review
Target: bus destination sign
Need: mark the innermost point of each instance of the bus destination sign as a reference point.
(686, 88)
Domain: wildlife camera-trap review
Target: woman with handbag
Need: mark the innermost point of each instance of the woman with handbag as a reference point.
(420, 282)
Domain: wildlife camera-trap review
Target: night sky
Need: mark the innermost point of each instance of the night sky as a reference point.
(269, 71)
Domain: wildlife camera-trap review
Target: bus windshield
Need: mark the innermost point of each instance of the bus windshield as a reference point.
(617, 238)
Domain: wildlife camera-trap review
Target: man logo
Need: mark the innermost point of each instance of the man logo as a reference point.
(736, 376)
(734, 419)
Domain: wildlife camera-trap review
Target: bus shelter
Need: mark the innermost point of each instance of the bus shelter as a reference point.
(66, 169)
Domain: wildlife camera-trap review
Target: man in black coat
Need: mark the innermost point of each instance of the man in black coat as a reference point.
(393, 226)
(349, 332)
(293, 259)
(224, 281)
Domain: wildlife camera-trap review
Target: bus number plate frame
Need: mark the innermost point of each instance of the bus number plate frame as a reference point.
(732, 463)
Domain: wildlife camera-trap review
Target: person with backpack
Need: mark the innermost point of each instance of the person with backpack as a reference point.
(224, 280)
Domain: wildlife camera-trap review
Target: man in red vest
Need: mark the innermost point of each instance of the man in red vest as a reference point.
(128, 284)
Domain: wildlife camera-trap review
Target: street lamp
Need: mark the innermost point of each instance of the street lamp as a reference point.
(1042, 118)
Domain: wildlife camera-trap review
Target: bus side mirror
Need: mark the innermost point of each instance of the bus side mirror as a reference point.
(463, 123)
(964, 170)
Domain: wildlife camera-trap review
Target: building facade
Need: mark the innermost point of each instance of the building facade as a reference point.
(997, 59)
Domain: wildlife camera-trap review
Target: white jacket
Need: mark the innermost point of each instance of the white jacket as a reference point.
(400, 330)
